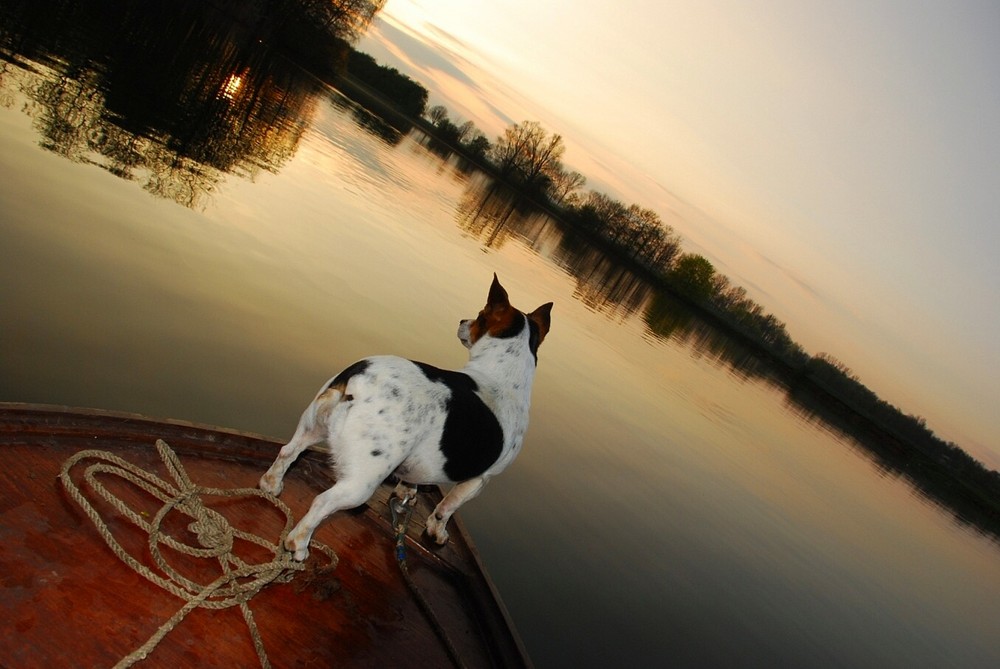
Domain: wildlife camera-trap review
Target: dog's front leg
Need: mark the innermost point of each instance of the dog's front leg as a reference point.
(447, 507)
(404, 490)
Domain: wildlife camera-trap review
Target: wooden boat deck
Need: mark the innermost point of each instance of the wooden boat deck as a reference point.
(68, 600)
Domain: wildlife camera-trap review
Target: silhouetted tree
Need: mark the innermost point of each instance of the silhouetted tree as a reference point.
(409, 96)
(465, 131)
(437, 113)
(692, 275)
(527, 154)
(447, 131)
(564, 186)
(634, 232)
(478, 147)
(345, 19)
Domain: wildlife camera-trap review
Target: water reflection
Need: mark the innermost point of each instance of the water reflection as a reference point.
(667, 317)
(173, 98)
(495, 215)
(893, 459)
(370, 122)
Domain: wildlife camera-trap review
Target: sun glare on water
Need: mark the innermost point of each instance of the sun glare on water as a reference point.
(232, 86)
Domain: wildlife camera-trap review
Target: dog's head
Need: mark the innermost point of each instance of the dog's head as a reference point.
(500, 320)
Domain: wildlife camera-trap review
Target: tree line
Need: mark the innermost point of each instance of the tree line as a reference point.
(529, 158)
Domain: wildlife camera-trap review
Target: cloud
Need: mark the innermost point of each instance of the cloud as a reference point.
(440, 65)
(800, 282)
(423, 55)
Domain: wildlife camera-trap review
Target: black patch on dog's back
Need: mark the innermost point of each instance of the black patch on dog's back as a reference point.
(344, 376)
(454, 380)
(472, 438)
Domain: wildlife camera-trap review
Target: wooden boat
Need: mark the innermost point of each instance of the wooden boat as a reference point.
(68, 599)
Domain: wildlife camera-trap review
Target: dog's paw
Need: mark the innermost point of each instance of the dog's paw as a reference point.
(436, 530)
(269, 484)
(299, 551)
(405, 491)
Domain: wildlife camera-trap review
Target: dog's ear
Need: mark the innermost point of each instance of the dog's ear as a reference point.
(542, 317)
(498, 296)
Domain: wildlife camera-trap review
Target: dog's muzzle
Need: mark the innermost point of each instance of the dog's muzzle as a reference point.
(463, 333)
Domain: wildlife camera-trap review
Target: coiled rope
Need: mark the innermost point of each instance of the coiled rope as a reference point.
(239, 580)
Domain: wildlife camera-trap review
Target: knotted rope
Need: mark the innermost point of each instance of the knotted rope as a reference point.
(239, 580)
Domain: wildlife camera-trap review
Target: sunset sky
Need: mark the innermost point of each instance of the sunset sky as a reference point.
(840, 161)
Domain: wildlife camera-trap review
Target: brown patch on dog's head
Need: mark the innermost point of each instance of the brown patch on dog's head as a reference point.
(496, 317)
(499, 319)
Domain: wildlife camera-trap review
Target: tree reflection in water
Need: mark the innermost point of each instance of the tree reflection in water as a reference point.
(173, 98)
(494, 215)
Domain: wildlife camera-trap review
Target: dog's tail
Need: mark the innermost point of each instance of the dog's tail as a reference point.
(316, 418)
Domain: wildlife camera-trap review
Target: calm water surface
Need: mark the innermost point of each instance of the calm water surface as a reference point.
(218, 259)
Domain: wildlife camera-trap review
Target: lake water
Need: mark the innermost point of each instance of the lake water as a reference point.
(210, 237)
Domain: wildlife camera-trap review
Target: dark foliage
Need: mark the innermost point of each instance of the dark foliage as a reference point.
(407, 95)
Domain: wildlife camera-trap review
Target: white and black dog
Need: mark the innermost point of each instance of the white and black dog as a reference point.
(387, 415)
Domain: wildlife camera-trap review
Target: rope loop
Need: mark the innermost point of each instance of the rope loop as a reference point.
(239, 580)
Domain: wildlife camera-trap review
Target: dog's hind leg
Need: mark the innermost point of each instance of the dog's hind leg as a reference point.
(447, 507)
(345, 494)
(313, 428)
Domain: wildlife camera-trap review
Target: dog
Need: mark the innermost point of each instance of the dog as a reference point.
(386, 415)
